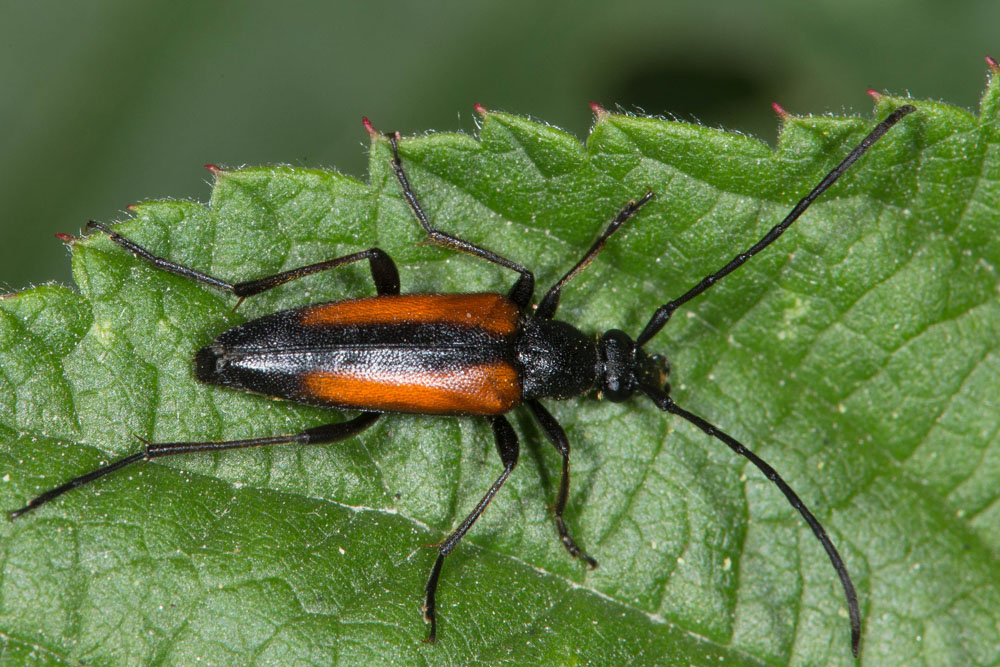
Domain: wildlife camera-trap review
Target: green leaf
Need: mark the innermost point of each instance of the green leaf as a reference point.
(858, 355)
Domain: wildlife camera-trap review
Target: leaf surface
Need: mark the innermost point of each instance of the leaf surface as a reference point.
(858, 355)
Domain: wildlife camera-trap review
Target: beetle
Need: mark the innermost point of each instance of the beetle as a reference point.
(477, 354)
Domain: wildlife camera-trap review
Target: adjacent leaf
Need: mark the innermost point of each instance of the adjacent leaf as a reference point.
(858, 355)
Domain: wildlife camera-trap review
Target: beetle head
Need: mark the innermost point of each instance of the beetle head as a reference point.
(624, 367)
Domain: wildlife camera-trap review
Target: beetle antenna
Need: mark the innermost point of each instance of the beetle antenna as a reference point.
(663, 313)
(665, 403)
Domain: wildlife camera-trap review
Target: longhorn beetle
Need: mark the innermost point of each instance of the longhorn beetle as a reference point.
(452, 354)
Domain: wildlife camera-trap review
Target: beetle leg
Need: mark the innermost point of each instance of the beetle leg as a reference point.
(384, 273)
(547, 306)
(557, 436)
(383, 269)
(522, 290)
(312, 436)
(507, 447)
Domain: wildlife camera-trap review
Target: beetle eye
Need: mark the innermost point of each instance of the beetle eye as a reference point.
(662, 368)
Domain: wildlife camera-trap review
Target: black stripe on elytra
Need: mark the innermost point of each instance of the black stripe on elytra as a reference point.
(284, 330)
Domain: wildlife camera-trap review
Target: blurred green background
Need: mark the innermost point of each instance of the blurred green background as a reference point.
(110, 102)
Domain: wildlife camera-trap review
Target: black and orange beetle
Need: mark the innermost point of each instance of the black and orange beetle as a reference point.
(452, 354)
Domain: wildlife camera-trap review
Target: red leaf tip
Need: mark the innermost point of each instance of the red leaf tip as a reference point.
(480, 109)
(215, 169)
(780, 110)
(994, 65)
(131, 207)
(875, 95)
(65, 238)
(372, 132)
(600, 113)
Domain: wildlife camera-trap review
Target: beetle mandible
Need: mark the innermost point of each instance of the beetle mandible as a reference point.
(477, 354)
